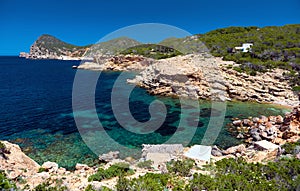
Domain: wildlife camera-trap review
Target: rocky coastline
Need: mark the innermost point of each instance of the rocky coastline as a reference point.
(264, 140)
(200, 76)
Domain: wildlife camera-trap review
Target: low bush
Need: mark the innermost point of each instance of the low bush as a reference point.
(5, 183)
(117, 169)
(41, 169)
(289, 148)
(46, 186)
(145, 164)
(3, 150)
(181, 168)
(149, 181)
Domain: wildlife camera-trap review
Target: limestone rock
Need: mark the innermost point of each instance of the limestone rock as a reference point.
(81, 166)
(235, 149)
(172, 149)
(265, 145)
(50, 166)
(16, 163)
(109, 156)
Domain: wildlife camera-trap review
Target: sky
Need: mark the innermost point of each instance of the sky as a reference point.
(83, 22)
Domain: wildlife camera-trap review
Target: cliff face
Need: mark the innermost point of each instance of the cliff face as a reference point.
(207, 77)
(49, 47)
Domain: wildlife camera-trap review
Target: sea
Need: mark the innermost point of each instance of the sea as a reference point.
(37, 113)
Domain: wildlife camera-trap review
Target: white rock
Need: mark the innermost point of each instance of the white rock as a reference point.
(81, 166)
(50, 166)
(265, 145)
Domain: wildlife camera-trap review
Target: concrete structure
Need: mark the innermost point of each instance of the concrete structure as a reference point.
(246, 47)
(199, 152)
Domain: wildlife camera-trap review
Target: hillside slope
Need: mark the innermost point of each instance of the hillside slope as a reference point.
(273, 47)
(112, 47)
(49, 47)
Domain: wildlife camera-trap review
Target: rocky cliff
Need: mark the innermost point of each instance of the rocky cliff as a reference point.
(207, 77)
(49, 47)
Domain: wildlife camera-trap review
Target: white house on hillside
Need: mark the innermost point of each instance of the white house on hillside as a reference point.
(246, 47)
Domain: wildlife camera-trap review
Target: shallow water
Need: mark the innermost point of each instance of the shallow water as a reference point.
(36, 113)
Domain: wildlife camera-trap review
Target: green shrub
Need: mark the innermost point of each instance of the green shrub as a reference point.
(41, 169)
(201, 182)
(181, 168)
(3, 150)
(117, 169)
(46, 186)
(289, 147)
(149, 181)
(238, 69)
(296, 88)
(89, 188)
(145, 164)
(123, 184)
(5, 183)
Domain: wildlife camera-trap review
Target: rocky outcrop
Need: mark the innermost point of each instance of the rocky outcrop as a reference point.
(276, 129)
(187, 76)
(204, 76)
(117, 63)
(49, 47)
(267, 87)
(249, 153)
(18, 166)
(24, 55)
(16, 163)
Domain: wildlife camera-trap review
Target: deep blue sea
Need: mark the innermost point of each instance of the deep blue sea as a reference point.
(36, 113)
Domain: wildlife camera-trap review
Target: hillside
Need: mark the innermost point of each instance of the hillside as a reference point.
(112, 47)
(154, 51)
(273, 47)
(47, 46)
(187, 45)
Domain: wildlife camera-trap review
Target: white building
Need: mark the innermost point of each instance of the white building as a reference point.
(246, 47)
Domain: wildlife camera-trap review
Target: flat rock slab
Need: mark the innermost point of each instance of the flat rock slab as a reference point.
(158, 158)
(199, 152)
(172, 149)
(265, 145)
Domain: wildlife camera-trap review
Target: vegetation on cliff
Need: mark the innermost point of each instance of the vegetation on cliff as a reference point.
(227, 174)
(273, 47)
(152, 51)
(47, 44)
(112, 47)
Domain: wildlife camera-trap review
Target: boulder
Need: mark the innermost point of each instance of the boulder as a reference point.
(240, 136)
(256, 137)
(237, 122)
(81, 166)
(108, 157)
(265, 145)
(50, 166)
(172, 149)
(235, 149)
(216, 151)
(279, 119)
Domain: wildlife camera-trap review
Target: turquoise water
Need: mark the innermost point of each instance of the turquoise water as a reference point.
(36, 113)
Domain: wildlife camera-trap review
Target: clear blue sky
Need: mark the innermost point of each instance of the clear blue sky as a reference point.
(84, 22)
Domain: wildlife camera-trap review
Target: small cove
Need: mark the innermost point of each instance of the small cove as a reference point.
(36, 113)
